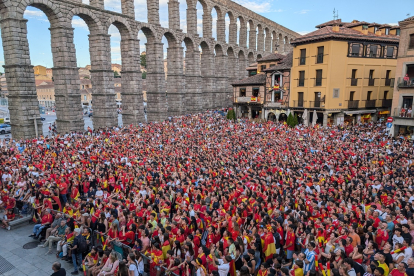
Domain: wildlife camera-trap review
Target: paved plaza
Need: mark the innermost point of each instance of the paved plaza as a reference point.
(31, 262)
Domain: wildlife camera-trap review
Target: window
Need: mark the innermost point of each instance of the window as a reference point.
(397, 31)
(354, 50)
(390, 51)
(411, 42)
(373, 51)
(83, 86)
(375, 29)
(262, 67)
(271, 65)
(300, 99)
(302, 60)
(252, 73)
(387, 75)
(385, 95)
(318, 80)
(365, 27)
(84, 97)
(336, 93)
(387, 31)
(354, 71)
(242, 92)
(371, 74)
(301, 78)
(351, 95)
(369, 94)
(319, 58)
(255, 91)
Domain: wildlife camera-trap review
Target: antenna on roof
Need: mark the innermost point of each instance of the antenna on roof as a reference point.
(335, 14)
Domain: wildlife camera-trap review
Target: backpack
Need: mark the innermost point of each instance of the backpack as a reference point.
(82, 245)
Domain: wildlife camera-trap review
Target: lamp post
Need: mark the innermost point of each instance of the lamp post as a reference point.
(35, 124)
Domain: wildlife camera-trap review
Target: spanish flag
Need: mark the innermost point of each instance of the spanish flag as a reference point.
(165, 247)
(68, 211)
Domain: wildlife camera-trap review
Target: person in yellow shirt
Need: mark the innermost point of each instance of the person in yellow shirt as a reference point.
(297, 269)
(381, 263)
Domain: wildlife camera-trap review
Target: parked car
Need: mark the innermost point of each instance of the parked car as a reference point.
(42, 118)
(4, 128)
(7, 120)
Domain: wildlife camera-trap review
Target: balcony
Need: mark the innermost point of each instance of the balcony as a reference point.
(318, 82)
(389, 82)
(386, 103)
(316, 104)
(406, 83)
(371, 82)
(353, 104)
(403, 113)
(302, 60)
(319, 58)
(300, 104)
(370, 103)
(301, 82)
(248, 99)
(354, 82)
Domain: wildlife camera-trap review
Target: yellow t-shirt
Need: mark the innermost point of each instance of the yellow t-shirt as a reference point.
(385, 267)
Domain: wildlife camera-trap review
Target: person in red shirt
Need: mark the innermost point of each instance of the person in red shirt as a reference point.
(399, 271)
(290, 242)
(7, 218)
(47, 219)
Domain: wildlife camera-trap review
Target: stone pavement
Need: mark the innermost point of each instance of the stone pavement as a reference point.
(30, 262)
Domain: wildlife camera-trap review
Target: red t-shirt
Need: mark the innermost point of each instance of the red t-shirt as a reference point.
(64, 186)
(290, 239)
(396, 272)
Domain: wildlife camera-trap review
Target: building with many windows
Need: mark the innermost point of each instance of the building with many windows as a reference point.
(264, 94)
(402, 102)
(345, 71)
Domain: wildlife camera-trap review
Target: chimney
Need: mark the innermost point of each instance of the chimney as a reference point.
(335, 28)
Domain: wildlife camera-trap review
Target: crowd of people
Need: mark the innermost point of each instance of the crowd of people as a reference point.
(203, 195)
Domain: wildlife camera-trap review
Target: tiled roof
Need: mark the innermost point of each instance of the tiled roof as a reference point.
(350, 25)
(256, 79)
(343, 33)
(408, 19)
(373, 24)
(330, 23)
(284, 64)
(273, 56)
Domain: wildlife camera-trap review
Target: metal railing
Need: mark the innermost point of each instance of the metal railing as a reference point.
(389, 82)
(403, 112)
(386, 102)
(301, 82)
(297, 103)
(319, 58)
(406, 83)
(353, 104)
(371, 82)
(316, 104)
(318, 82)
(354, 82)
(370, 103)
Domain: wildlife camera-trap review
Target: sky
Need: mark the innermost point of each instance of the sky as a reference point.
(298, 15)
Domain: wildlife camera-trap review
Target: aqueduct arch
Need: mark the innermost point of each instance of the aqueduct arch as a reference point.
(204, 84)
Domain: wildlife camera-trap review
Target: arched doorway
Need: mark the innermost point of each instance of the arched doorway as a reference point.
(282, 117)
(271, 117)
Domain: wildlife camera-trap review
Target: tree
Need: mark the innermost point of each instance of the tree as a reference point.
(144, 75)
(295, 120)
(144, 60)
(289, 120)
(116, 74)
(231, 115)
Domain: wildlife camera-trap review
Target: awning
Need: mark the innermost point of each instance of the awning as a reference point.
(360, 111)
(384, 112)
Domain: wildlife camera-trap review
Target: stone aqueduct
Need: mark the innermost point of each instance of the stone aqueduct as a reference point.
(205, 84)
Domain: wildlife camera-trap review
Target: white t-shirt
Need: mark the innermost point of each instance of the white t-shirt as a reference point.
(223, 269)
(134, 268)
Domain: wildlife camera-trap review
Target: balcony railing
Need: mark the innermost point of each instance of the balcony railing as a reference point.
(406, 83)
(386, 102)
(318, 82)
(319, 58)
(301, 82)
(389, 82)
(370, 103)
(371, 82)
(354, 82)
(403, 112)
(316, 104)
(302, 60)
(248, 99)
(353, 104)
(297, 103)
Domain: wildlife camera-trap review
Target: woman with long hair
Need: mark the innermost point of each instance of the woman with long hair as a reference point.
(110, 266)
